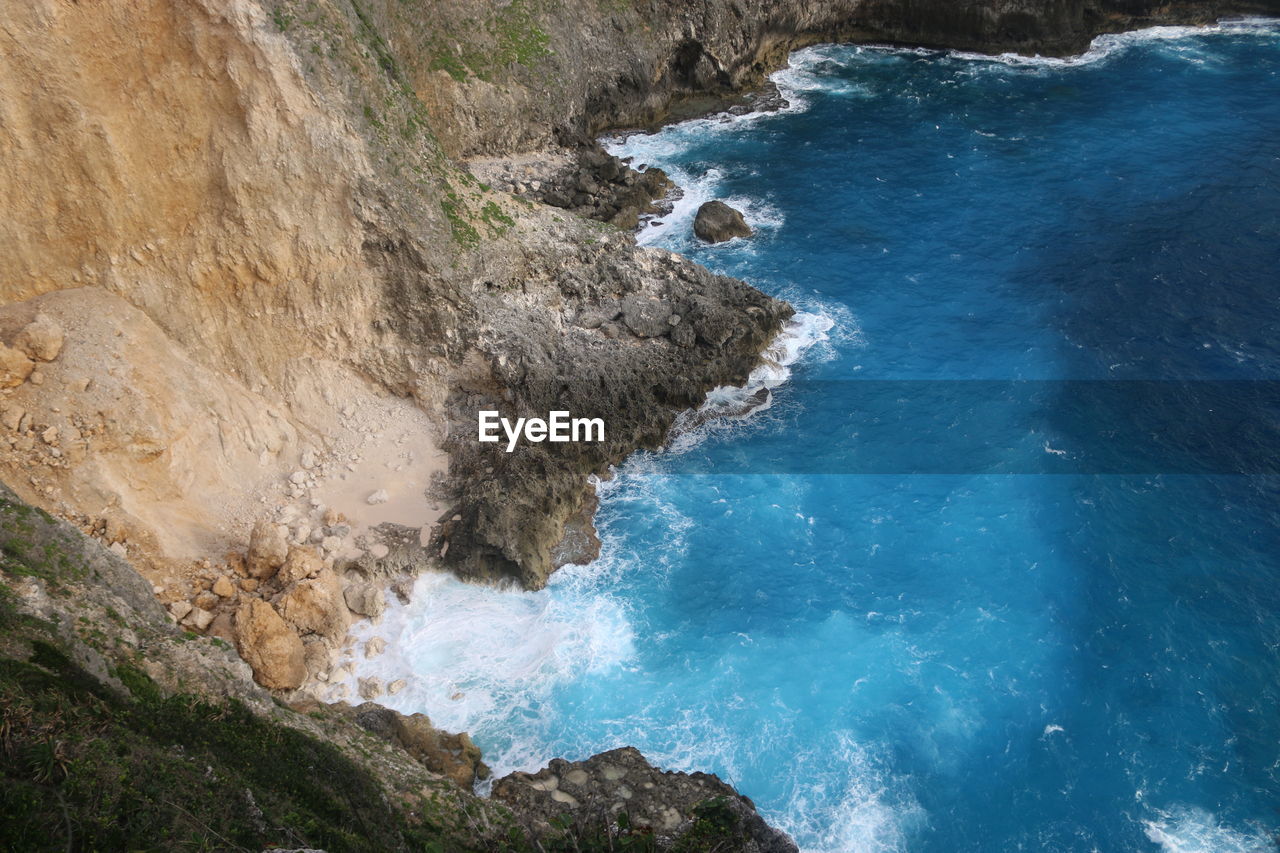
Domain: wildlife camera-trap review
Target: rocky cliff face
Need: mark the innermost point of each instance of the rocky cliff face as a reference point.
(530, 73)
(247, 281)
(123, 732)
(248, 217)
(244, 220)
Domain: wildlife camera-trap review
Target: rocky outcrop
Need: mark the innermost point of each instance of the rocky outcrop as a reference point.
(453, 756)
(133, 715)
(717, 222)
(532, 75)
(619, 788)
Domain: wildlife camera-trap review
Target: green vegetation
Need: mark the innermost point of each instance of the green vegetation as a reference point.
(23, 554)
(88, 766)
(455, 210)
(84, 768)
(514, 38)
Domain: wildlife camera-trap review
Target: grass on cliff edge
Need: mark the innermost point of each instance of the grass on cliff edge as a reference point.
(83, 768)
(88, 767)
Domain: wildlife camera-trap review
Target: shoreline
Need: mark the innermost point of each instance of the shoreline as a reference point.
(381, 268)
(692, 419)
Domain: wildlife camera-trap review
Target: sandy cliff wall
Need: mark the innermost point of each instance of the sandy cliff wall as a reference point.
(262, 210)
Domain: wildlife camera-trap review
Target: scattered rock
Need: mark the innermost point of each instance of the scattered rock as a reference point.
(180, 609)
(374, 647)
(396, 686)
(268, 550)
(223, 587)
(369, 688)
(41, 339)
(270, 646)
(379, 551)
(12, 417)
(717, 222)
(15, 367)
(365, 599)
(198, 618)
(378, 497)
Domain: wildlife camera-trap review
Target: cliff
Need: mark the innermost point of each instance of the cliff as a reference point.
(122, 732)
(503, 77)
(252, 287)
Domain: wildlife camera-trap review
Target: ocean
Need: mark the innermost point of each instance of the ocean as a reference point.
(998, 566)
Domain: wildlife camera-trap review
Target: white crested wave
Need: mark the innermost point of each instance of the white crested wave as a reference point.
(728, 404)
(477, 658)
(1193, 830)
(840, 802)
(1109, 45)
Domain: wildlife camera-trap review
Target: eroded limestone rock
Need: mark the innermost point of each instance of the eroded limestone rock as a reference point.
(269, 646)
(717, 222)
(41, 339)
(268, 549)
(670, 804)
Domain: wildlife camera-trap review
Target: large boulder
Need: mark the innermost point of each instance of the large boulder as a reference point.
(271, 648)
(41, 339)
(317, 607)
(717, 222)
(268, 549)
(303, 562)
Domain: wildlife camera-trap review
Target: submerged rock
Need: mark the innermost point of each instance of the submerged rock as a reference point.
(717, 222)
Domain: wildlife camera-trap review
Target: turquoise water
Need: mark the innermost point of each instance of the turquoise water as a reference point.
(902, 609)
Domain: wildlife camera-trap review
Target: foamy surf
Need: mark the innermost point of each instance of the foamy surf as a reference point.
(477, 658)
(1193, 830)
(1110, 45)
(729, 403)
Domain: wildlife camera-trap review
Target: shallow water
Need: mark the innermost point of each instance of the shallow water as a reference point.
(902, 609)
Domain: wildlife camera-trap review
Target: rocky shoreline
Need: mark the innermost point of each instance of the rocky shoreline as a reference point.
(258, 292)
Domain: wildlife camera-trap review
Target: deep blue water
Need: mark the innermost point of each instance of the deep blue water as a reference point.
(870, 606)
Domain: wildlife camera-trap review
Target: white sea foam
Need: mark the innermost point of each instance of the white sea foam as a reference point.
(842, 802)
(1193, 830)
(802, 77)
(729, 404)
(475, 658)
(1110, 45)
